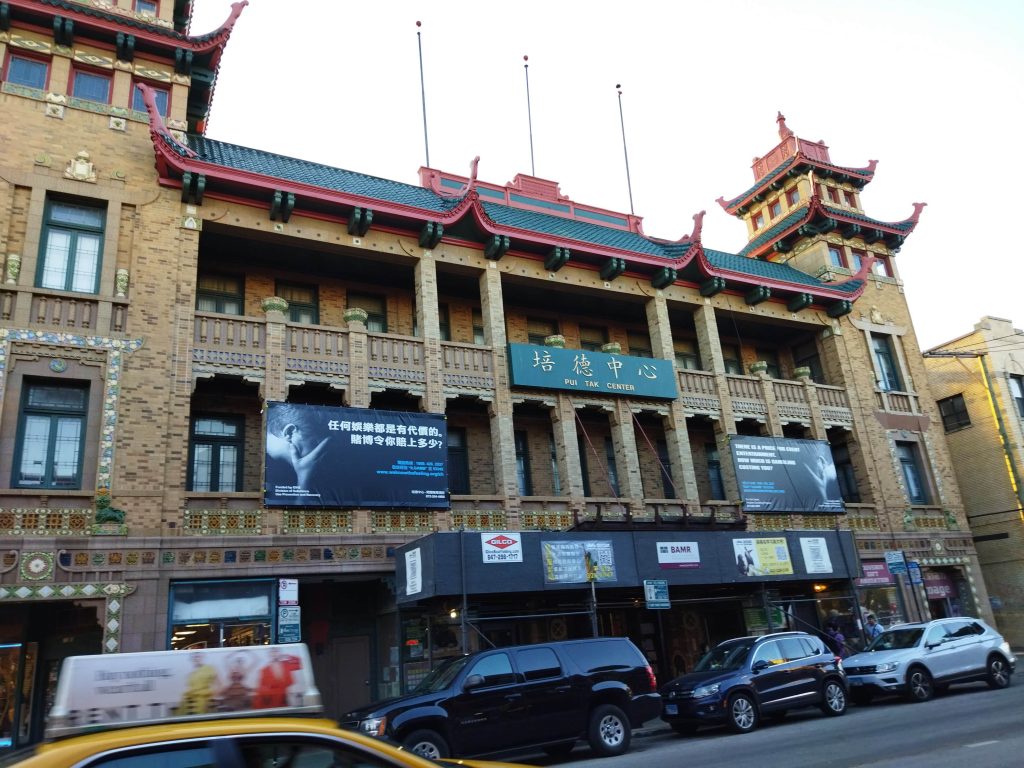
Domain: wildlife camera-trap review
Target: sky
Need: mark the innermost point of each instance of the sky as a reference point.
(932, 89)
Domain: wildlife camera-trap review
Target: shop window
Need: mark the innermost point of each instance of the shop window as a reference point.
(1016, 383)
(639, 344)
(793, 197)
(613, 470)
(147, 7)
(771, 357)
(523, 463)
(954, 413)
(758, 220)
(376, 310)
(90, 86)
(909, 456)
(215, 454)
(593, 338)
(220, 293)
(27, 71)
(885, 360)
(775, 208)
(687, 355)
(731, 358)
(444, 322)
(856, 259)
(72, 247)
(556, 478)
(478, 327)
(458, 461)
(714, 471)
(805, 355)
(303, 306)
(538, 329)
(51, 435)
(162, 97)
(844, 473)
(835, 256)
(219, 613)
(668, 488)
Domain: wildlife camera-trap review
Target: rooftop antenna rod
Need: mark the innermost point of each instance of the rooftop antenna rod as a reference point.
(529, 114)
(622, 122)
(423, 92)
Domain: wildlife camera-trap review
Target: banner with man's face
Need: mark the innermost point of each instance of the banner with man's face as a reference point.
(326, 456)
(779, 474)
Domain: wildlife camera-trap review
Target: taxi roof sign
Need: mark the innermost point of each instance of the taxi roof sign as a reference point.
(123, 689)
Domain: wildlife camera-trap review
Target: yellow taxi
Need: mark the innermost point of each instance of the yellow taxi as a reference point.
(212, 708)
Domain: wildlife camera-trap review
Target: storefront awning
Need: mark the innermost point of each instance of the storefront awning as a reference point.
(508, 562)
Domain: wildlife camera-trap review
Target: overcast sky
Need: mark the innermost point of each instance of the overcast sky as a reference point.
(932, 89)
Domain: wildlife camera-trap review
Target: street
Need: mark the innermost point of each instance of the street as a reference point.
(970, 725)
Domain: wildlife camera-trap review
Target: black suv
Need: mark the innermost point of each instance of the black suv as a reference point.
(739, 680)
(522, 697)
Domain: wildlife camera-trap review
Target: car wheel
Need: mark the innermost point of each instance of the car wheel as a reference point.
(428, 744)
(998, 673)
(609, 732)
(919, 684)
(684, 729)
(559, 750)
(862, 698)
(833, 699)
(743, 715)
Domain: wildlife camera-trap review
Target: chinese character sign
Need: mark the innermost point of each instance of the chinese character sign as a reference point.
(577, 562)
(324, 456)
(584, 371)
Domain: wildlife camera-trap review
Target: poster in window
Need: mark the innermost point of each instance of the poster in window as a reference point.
(778, 474)
(324, 456)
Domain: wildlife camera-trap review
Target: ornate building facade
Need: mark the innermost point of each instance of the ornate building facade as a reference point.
(161, 287)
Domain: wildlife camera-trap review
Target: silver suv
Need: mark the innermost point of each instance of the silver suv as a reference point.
(921, 659)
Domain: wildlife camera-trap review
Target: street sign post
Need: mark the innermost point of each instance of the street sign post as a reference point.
(656, 594)
(896, 561)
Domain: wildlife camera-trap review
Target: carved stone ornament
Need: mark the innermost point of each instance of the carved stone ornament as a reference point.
(13, 268)
(81, 168)
(36, 566)
(876, 316)
(555, 340)
(121, 283)
(274, 304)
(356, 315)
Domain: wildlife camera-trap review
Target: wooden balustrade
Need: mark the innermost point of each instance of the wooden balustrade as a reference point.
(744, 387)
(698, 383)
(789, 391)
(832, 397)
(230, 332)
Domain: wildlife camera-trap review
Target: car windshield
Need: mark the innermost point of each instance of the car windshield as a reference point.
(896, 639)
(441, 677)
(727, 656)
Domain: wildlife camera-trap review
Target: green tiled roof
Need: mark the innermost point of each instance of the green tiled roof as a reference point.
(582, 231)
(770, 270)
(769, 234)
(316, 174)
(864, 173)
(901, 226)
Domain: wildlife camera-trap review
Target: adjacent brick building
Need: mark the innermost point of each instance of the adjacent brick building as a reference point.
(161, 287)
(978, 382)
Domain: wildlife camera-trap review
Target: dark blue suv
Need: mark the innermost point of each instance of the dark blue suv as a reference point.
(740, 680)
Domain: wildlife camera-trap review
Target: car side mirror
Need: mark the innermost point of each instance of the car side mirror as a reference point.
(759, 665)
(473, 681)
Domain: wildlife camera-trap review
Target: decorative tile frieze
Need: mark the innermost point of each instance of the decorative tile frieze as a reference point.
(303, 521)
(411, 522)
(545, 521)
(222, 522)
(489, 520)
(45, 522)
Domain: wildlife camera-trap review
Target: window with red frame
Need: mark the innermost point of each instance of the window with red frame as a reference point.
(835, 256)
(882, 267)
(833, 195)
(90, 86)
(851, 200)
(162, 96)
(27, 71)
(758, 220)
(856, 259)
(147, 6)
(793, 197)
(775, 208)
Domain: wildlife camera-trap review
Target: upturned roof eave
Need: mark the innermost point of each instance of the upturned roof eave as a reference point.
(733, 205)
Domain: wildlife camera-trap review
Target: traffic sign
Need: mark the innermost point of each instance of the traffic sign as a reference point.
(895, 560)
(656, 594)
(914, 569)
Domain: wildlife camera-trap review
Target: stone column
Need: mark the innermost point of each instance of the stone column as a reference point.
(627, 463)
(570, 469)
(818, 429)
(275, 386)
(677, 438)
(429, 324)
(772, 418)
(503, 448)
(358, 393)
(711, 355)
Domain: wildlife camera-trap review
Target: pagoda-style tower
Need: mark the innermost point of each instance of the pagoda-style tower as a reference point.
(806, 211)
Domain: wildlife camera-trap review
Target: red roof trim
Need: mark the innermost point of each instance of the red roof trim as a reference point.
(772, 177)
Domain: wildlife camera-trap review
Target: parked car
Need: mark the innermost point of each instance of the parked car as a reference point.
(740, 680)
(919, 659)
(547, 695)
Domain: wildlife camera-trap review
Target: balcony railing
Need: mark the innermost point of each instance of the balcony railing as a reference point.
(698, 392)
(229, 340)
(467, 366)
(316, 349)
(747, 396)
(396, 358)
(898, 402)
